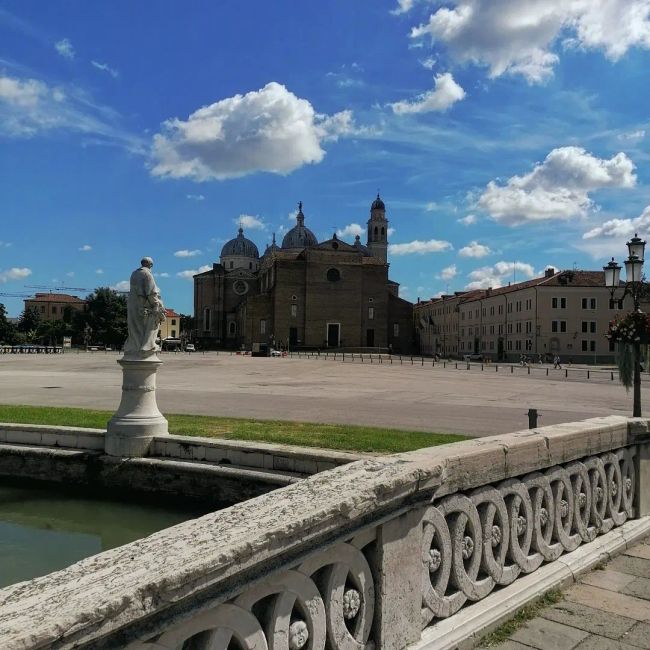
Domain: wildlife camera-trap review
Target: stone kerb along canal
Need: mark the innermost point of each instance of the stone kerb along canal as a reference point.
(420, 549)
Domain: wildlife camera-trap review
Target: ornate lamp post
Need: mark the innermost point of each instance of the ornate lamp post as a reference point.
(634, 288)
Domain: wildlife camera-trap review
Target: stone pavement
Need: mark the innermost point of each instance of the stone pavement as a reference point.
(416, 397)
(607, 609)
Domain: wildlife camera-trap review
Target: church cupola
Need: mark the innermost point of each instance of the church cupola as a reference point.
(378, 230)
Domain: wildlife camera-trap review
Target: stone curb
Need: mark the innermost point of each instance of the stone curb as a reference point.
(463, 630)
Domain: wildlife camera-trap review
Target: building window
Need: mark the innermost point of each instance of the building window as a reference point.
(589, 303)
(589, 326)
(529, 345)
(54, 309)
(173, 321)
(232, 328)
(492, 311)
(615, 304)
(42, 309)
(232, 264)
(509, 328)
(206, 319)
(371, 313)
(509, 345)
(173, 334)
(294, 310)
(500, 309)
(558, 326)
(395, 330)
(262, 326)
(333, 275)
(518, 328)
(517, 345)
(558, 303)
(294, 298)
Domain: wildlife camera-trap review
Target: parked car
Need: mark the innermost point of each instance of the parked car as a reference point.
(190, 347)
(473, 357)
(275, 353)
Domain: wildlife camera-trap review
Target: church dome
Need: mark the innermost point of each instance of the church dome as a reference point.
(240, 247)
(299, 236)
(273, 248)
(377, 204)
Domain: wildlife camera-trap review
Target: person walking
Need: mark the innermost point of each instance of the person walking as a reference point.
(556, 362)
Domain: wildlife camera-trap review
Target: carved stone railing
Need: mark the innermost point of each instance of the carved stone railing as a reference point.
(361, 557)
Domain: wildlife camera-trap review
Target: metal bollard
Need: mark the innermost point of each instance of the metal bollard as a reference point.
(532, 418)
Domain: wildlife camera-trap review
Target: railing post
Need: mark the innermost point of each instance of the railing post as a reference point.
(638, 433)
(398, 581)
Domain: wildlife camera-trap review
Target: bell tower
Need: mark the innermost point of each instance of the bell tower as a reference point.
(378, 230)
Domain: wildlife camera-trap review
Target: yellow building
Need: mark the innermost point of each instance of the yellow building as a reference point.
(171, 328)
(55, 306)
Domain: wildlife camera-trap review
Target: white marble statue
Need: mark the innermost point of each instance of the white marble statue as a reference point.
(145, 312)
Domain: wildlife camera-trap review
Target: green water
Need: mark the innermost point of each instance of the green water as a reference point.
(45, 528)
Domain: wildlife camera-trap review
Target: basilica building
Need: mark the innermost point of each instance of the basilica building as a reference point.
(304, 294)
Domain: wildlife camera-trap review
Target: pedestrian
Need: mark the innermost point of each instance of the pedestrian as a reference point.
(556, 362)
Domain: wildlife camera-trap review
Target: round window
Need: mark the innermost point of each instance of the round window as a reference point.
(240, 287)
(333, 275)
(335, 246)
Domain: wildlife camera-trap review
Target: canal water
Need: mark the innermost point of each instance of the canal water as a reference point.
(44, 528)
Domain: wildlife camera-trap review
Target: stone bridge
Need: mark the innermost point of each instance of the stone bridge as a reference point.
(426, 549)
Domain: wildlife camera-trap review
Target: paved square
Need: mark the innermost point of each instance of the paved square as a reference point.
(471, 402)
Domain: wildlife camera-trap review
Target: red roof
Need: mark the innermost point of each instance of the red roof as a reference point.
(170, 313)
(54, 297)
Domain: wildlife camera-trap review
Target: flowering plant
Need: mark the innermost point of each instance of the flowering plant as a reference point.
(633, 327)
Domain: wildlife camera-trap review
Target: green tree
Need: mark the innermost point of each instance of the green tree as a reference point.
(105, 314)
(51, 332)
(7, 329)
(29, 321)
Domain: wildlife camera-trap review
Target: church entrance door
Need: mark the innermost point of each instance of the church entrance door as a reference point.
(293, 337)
(370, 338)
(333, 335)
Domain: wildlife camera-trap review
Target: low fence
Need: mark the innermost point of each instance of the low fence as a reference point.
(368, 555)
(533, 369)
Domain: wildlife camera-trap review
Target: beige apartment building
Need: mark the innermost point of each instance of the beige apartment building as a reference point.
(55, 306)
(565, 313)
(170, 328)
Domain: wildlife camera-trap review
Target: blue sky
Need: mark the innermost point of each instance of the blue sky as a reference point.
(504, 136)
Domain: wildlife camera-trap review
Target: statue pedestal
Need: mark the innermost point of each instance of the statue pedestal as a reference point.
(137, 420)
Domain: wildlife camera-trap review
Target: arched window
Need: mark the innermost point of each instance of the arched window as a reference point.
(376, 231)
(382, 231)
(232, 328)
(232, 264)
(333, 275)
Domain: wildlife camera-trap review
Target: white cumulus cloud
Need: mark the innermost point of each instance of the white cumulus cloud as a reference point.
(445, 94)
(250, 222)
(99, 271)
(268, 130)
(189, 273)
(418, 247)
(351, 230)
(85, 248)
(122, 285)
(557, 188)
(622, 228)
(195, 197)
(474, 249)
(14, 273)
(468, 220)
(521, 36)
(499, 274)
(64, 48)
(449, 272)
(187, 253)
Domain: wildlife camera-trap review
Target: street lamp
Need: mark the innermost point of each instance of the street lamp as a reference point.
(634, 288)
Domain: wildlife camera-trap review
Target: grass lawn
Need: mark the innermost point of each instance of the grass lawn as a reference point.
(306, 434)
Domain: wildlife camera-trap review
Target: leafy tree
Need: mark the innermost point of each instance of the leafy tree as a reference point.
(7, 329)
(105, 314)
(29, 321)
(187, 323)
(51, 332)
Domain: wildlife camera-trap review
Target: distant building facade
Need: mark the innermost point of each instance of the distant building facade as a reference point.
(304, 293)
(170, 328)
(565, 313)
(55, 306)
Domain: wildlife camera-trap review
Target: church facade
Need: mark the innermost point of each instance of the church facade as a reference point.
(304, 294)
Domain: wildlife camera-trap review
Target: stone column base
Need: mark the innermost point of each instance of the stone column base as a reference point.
(137, 420)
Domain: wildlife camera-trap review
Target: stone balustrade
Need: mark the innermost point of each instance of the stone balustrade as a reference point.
(361, 557)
